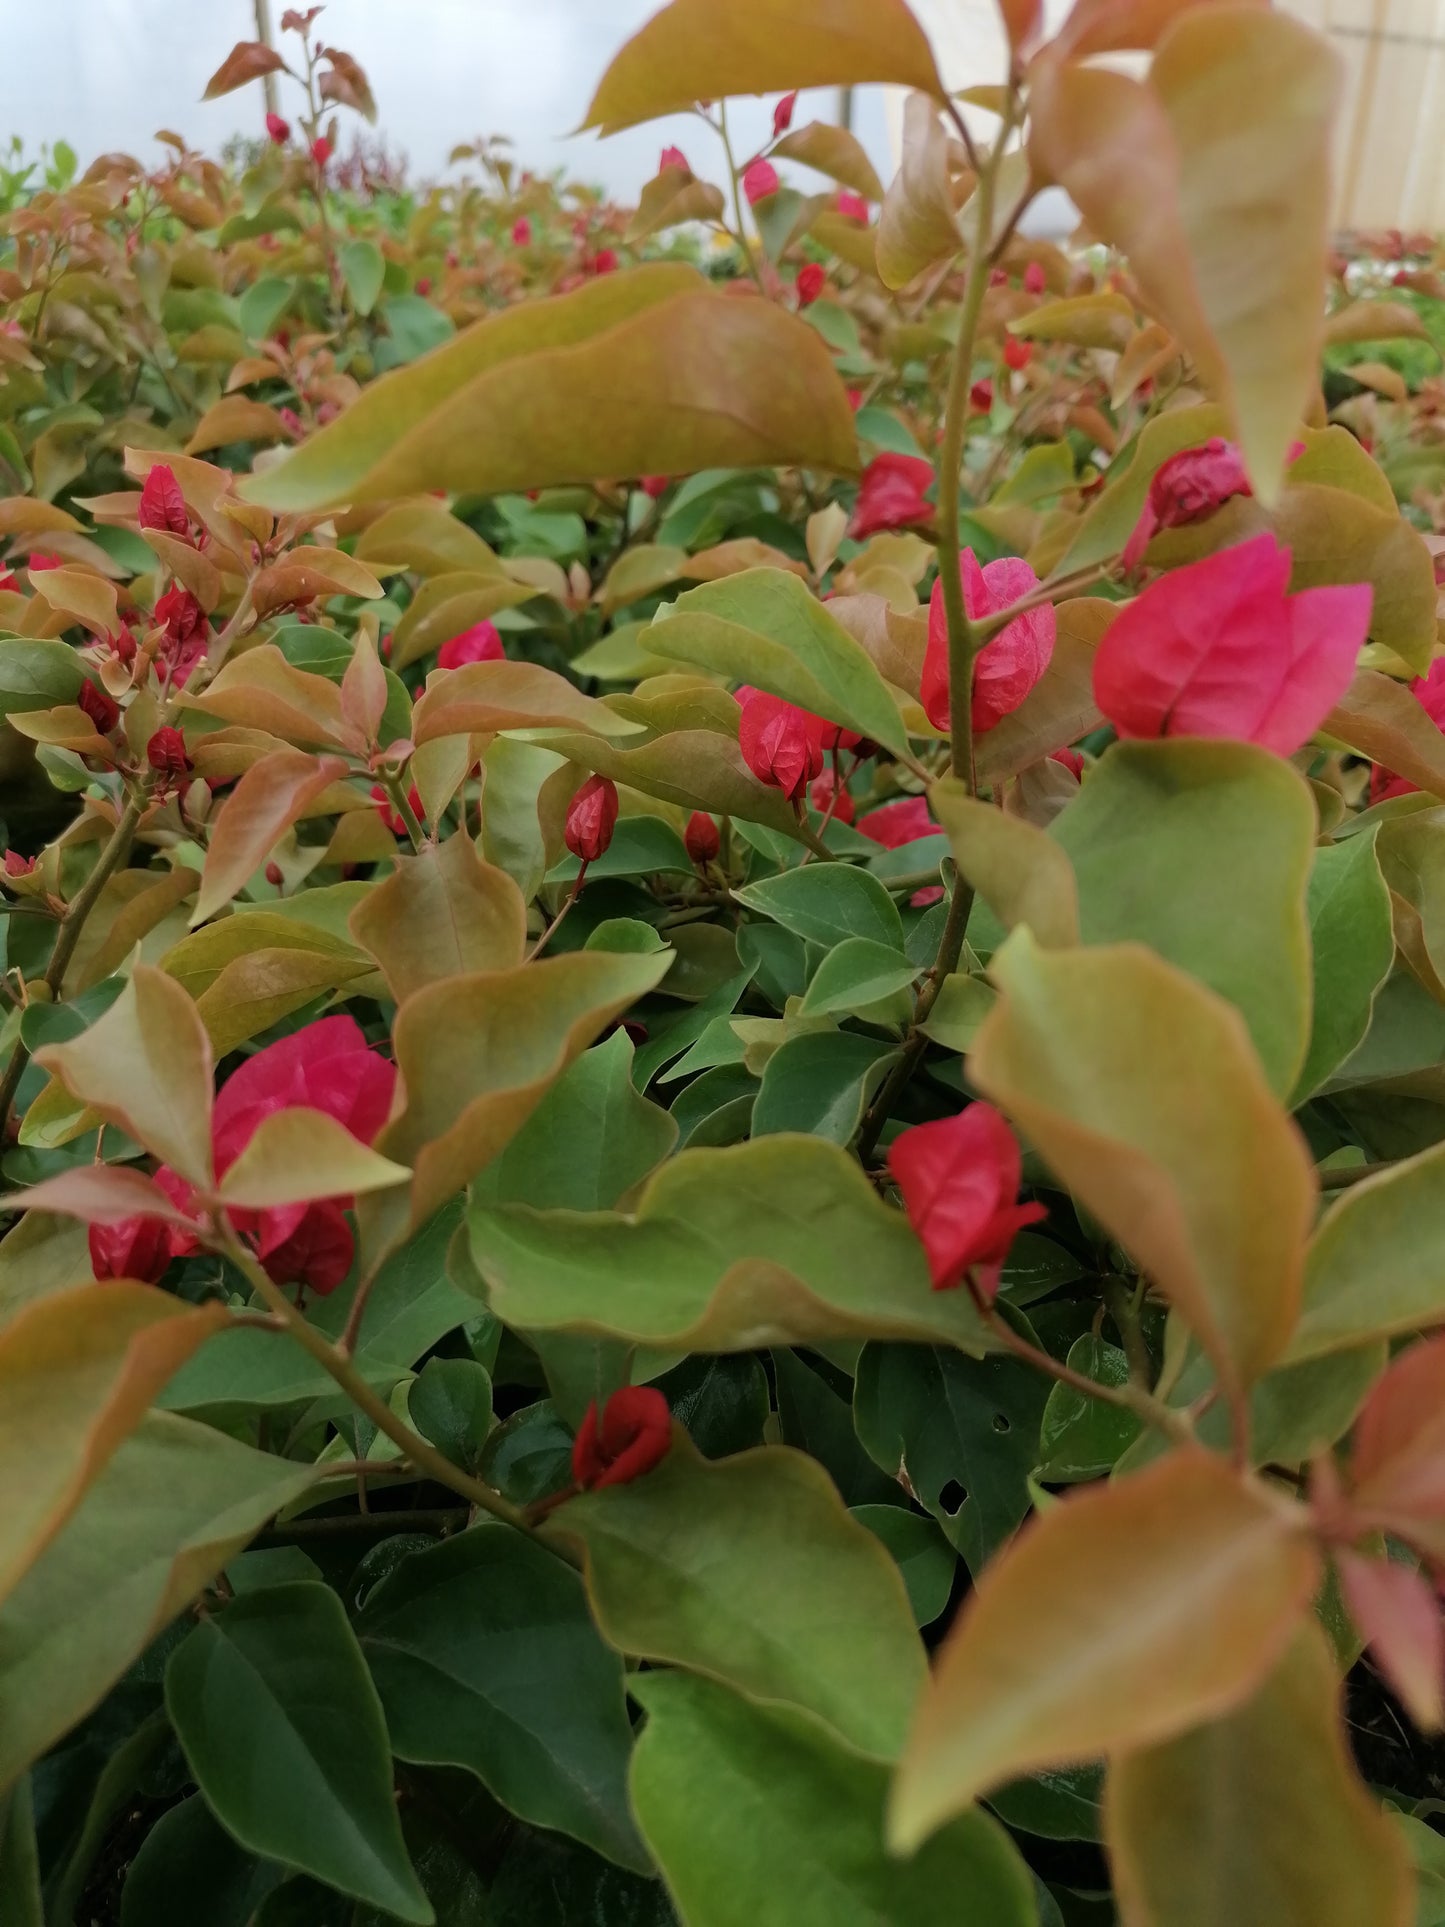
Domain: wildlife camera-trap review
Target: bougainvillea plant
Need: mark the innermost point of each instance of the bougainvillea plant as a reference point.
(723, 1056)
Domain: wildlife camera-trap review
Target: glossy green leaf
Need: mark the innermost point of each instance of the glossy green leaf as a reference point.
(1258, 1820)
(963, 1432)
(189, 1864)
(1353, 946)
(782, 1241)
(859, 972)
(169, 1510)
(750, 1570)
(766, 628)
(442, 1634)
(591, 1139)
(920, 1551)
(756, 1813)
(1239, 825)
(450, 1404)
(819, 1083)
(278, 1678)
(37, 675)
(689, 52)
(825, 903)
(20, 1892)
(1080, 1437)
(362, 269)
(644, 372)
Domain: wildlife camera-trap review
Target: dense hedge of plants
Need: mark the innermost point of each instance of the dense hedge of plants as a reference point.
(723, 1064)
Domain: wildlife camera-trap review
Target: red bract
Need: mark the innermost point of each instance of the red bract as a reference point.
(633, 1435)
(327, 1066)
(1186, 488)
(187, 633)
(980, 396)
(1017, 354)
(783, 113)
(1034, 282)
(604, 261)
(895, 824)
(480, 643)
(854, 206)
(960, 1180)
(1010, 663)
(321, 150)
(701, 839)
(779, 742)
(522, 232)
(138, 1248)
(39, 560)
(891, 495)
(1429, 692)
(1220, 649)
(822, 794)
(591, 819)
(162, 506)
(278, 129)
(392, 817)
(317, 1254)
(810, 284)
(760, 181)
(166, 754)
(17, 865)
(103, 710)
(672, 157)
(653, 485)
(1072, 760)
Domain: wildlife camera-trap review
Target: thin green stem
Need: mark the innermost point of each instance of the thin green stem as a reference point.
(1125, 1314)
(552, 928)
(742, 234)
(950, 949)
(401, 803)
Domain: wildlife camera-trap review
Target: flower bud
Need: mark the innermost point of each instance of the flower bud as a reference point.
(701, 839)
(633, 1435)
(591, 819)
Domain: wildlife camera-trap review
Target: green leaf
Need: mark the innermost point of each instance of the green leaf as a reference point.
(171, 1508)
(689, 52)
(1353, 946)
(640, 846)
(750, 1570)
(819, 1083)
(263, 304)
(919, 1550)
(814, 1398)
(756, 1814)
(591, 1139)
(190, 1868)
(648, 371)
(1064, 1803)
(278, 1678)
(37, 675)
(782, 1241)
(694, 769)
(1259, 1819)
(1163, 834)
(414, 327)
(21, 1902)
(450, 1404)
(962, 1431)
(767, 628)
(1020, 874)
(856, 974)
(826, 902)
(1376, 1264)
(1140, 1089)
(362, 269)
(442, 1634)
(1081, 1437)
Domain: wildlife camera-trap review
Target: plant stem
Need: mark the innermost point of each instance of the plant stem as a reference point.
(989, 626)
(442, 1520)
(747, 247)
(1123, 1311)
(68, 935)
(1128, 1398)
(950, 949)
(401, 803)
(552, 928)
(424, 1457)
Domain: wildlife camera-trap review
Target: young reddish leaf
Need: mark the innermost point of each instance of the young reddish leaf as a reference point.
(482, 698)
(86, 598)
(694, 50)
(363, 689)
(99, 1194)
(919, 221)
(1258, 1820)
(1383, 720)
(1376, 1264)
(261, 690)
(424, 536)
(662, 375)
(1021, 874)
(1142, 1091)
(247, 60)
(236, 418)
(1397, 1612)
(77, 1371)
(146, 1066)
(835, 152)
(299, 1154)
(1398, 1463)
(442, 913)
(447, 605)
(1186, 1579)
(274, 793)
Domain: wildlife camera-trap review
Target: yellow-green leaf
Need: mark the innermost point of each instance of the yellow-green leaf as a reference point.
(1376, 1265)
(919, 221)
(1186, 1580)
(299, 1154)
(1141, 1090)
(442, 913)
(1021, 874)
(695, 50)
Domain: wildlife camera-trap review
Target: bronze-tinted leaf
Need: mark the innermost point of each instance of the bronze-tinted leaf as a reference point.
(442, 913)
(274, 793)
